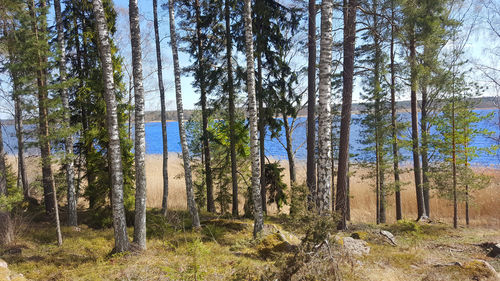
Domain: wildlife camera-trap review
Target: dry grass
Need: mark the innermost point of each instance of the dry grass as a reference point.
(483, 210)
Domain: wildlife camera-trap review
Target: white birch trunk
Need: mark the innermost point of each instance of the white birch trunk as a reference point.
(324, 119)
(252, 111)
(114, 151)
(140, 135)
(180, 116)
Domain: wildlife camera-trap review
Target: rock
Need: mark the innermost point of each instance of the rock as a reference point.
(389, 237)
(3, 264)
(275, 241)
(495, 251)
(355, 247)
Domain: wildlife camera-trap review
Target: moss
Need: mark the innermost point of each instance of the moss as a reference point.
(360, 235)
(477, 269)
(404, 226)
(272, 245)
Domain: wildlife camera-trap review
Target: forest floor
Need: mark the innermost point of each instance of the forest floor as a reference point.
(225, 250)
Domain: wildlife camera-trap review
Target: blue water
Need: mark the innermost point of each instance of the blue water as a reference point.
(276, 150)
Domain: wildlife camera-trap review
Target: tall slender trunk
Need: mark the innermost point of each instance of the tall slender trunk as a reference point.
(466, 150)
(18, 123)
(332, 144)
(49, 188)
(289, 151)
(324, 116)
(252, 106)
(164, 203)
(230, 89)
(454, 162)
(414, 130)
(345, 121)
(47, 176)
(204, 112)
(180, 117)
(68, 141)
(262, 133)
(395, 149)
(311, 106)
(3, 166)
(424, 128)
(140, 130)
(114, 151)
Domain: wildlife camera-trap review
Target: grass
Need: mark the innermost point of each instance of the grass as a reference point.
(224, 250)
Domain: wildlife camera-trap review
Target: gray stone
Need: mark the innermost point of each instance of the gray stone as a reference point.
(3, 263)
(355, 247)
(389, 236)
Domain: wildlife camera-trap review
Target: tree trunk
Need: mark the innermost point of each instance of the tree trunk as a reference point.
(164, 203)
(414, 131)
(140, 131)
(252, 106)
(324, 118)
(180, 117)
(68, 141)
(114, 150)
(230, 88)
(3, 166)
(47, 176)
(49, 188)
(262, 133)
(18, 119)
(466, 148)
(204, 112)
(345, 121)
(454, 164)
(424, 128)
(395, 149)
(289, 151)
(311, 106)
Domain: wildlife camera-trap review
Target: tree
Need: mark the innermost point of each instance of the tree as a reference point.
(40, 42)
(230, 89)
(68, 141)
(350, 7)
(324, 118)
(252, 104)
(311, 104)
(115, 159)
(140, 138)
(180, 117)
(161, 88)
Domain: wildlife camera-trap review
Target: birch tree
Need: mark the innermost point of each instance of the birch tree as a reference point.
(161, 88)
(119, 224)
(180, 117)
(324, 118)
(252, 110)
(68, 140)
(140, 133)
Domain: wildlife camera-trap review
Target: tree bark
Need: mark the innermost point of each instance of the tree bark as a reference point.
(252, 104)
(140, 131)
(395, 148)
(324, 118)
(3, 166)
(262, 133)
(180, 117)
(311, 106)
(424, 128)
(289, 150)
(68, 140)
(164, 203)
(43, 133)
(114, 151)
(204, 112)
(345, 121)
(230, 89)
(414, 131)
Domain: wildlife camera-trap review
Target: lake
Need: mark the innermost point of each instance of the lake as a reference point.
(276, 150)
